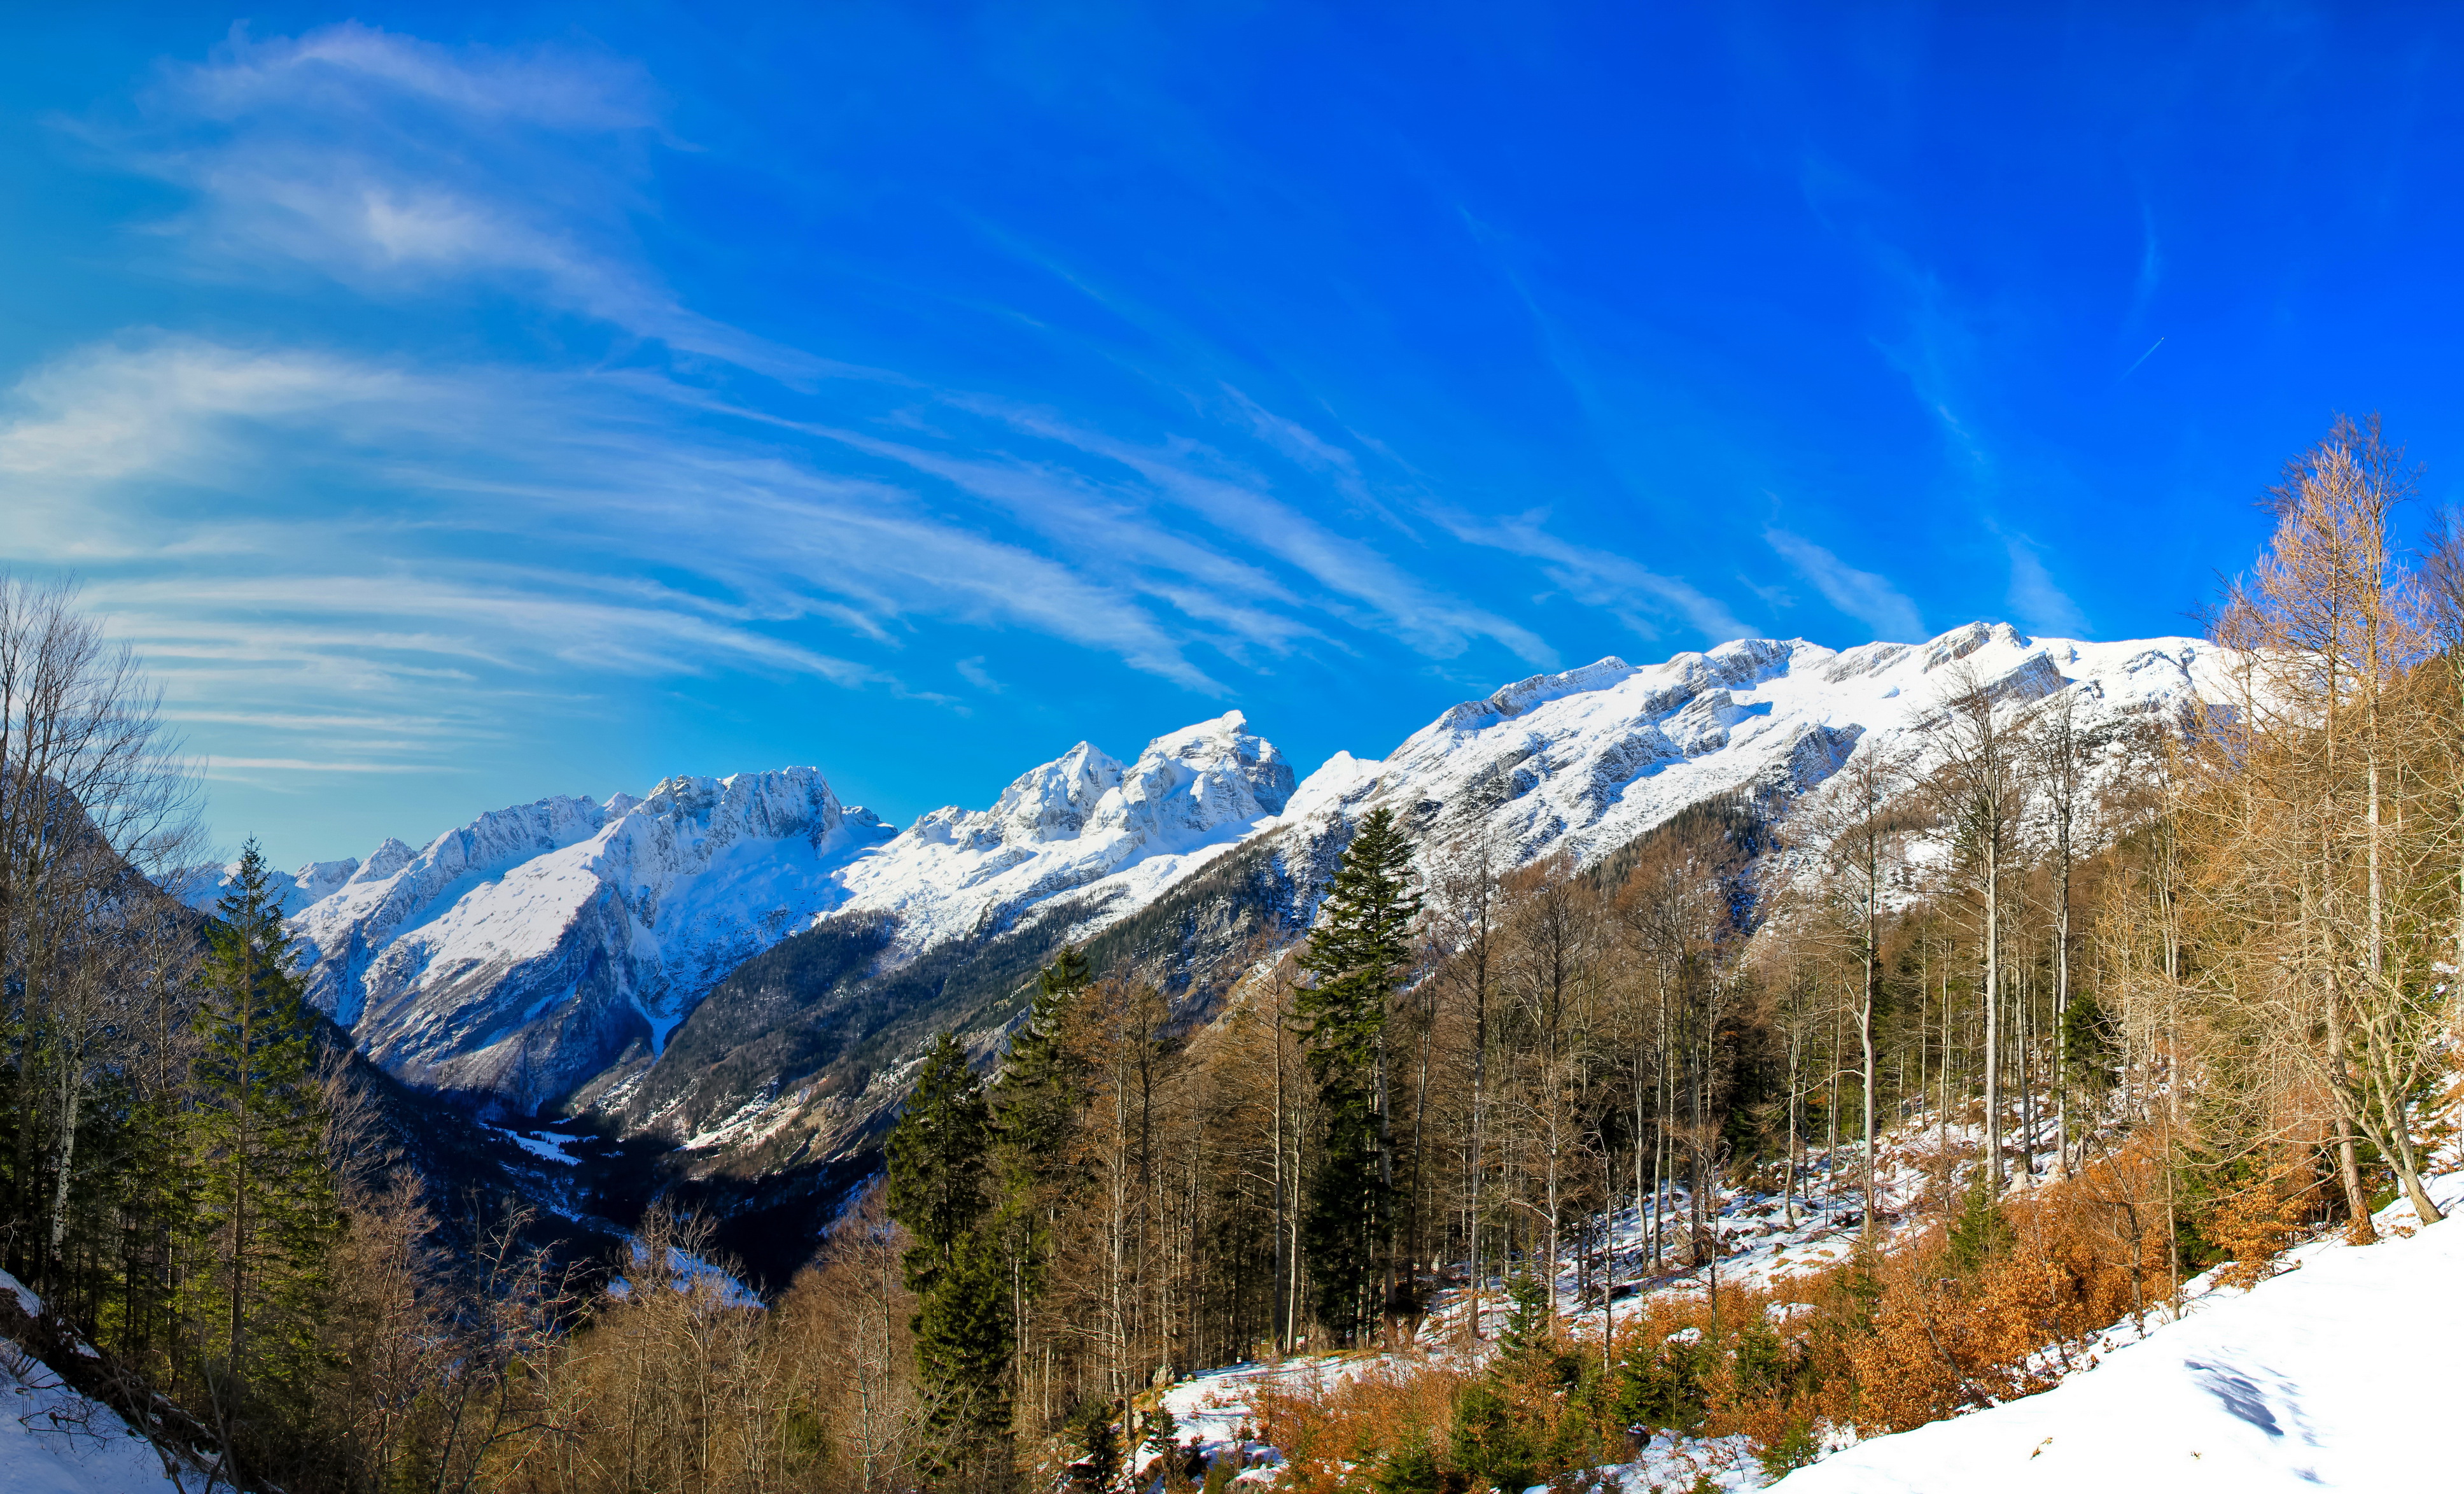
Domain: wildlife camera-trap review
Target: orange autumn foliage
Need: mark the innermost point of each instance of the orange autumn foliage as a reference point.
(1334, 1429)
(2255, 1221)
(1884, 1342)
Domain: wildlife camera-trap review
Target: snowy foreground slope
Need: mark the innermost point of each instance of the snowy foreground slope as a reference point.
(53, 1441)
(2342, 1373)
(540, 946)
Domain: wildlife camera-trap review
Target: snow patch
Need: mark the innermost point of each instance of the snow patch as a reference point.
(2338, 1374)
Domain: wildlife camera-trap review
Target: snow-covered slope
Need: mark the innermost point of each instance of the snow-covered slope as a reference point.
(529, 950)
(1082, 824)
(294, 891)
(2340, 1374)
(525, 952)
(53, 1441)
(1582, 762)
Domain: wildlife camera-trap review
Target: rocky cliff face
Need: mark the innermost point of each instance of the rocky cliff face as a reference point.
(1081, 825)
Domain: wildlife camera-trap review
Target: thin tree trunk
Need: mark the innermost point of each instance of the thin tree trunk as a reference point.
(1993, 999)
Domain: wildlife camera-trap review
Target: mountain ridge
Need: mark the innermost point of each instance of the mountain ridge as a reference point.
(543, 955)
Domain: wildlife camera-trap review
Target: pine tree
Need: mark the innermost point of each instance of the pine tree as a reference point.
(941, 1190)
(265, 1218)
(1360, 953)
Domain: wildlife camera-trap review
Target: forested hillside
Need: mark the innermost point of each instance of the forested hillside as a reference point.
(2006, 1020)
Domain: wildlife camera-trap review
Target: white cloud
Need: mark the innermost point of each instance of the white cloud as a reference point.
(564, 90)
(1861, 594)
(2040, 605)
(393, 165)
(153, 448)
(1234, 503)
(298, 765)
(147, 404)
(399, 540)
(1636, 595)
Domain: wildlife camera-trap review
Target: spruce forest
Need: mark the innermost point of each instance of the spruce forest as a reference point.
(1492, 1156)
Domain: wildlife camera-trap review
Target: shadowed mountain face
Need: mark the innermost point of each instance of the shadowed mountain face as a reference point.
(743, 970)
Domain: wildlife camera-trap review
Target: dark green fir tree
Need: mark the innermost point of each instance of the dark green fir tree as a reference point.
(264, 1218)
(1360, 956)
(941, 1189)
(1035, 1118)
(1043, 1081)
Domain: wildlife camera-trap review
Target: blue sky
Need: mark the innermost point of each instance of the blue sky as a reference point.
(461, 405)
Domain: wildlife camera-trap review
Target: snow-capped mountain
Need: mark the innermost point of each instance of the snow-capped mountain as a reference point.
(1081, 824)
(1583, 762)
(527, 952)
(524, 952)
(292, 891)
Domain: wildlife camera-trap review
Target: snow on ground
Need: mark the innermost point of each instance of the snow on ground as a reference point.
(1217, 1407)
(1684, 1465)
(2318, 1378)
(28, 1303)
(53, 1441)
(2340, 1373)
(1760, 1248)
(686, 1271)
(546, 1146)
(1763, 1239)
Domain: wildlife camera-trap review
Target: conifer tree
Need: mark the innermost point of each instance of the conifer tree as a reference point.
(264, 1218)
(1358, 953)
(941, 1190)
(1035, 1102)
(1035, 1105)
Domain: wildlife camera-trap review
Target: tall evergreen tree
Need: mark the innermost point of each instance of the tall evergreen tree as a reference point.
(1035, 1102)
(941, 1189)
(1359, 954)
(264, 1218)
(1035, 1118)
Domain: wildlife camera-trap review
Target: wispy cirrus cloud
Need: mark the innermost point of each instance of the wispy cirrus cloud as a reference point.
(1869, 599)
(2035, 600)
(1202, 483)
(1645, 601)
(490, 455)
(411, 536)
(394, 166)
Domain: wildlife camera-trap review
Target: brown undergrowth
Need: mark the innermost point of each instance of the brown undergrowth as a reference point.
(1989, 1303)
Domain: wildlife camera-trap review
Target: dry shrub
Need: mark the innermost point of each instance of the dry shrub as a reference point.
(2078, 1257)
(2254, 1222)
(1884, 1342)
(1334, 1431)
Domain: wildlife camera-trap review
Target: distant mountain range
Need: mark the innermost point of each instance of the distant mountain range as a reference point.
(741, 966)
